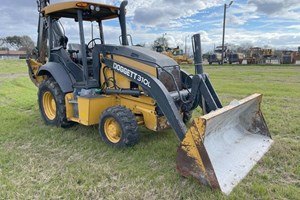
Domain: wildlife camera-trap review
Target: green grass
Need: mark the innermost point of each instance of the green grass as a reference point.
(12, 67)
(42, 162)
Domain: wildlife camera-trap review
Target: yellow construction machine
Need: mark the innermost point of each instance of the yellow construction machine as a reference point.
(180, 57)
(120, 87)
(174, 53)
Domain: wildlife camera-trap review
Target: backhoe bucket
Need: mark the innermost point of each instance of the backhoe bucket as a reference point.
(221, 147)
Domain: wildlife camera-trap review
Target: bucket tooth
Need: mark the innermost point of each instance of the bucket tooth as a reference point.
(221, 147)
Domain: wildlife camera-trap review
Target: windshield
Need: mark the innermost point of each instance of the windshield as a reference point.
(111, 31)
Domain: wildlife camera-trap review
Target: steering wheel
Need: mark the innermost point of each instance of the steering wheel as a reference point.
(94, 43)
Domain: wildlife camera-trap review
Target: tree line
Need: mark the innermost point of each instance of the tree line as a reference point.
(21, 43)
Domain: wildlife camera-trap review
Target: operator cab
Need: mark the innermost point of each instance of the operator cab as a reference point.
(78, 57)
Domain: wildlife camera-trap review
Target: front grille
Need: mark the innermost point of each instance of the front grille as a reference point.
(164, 75)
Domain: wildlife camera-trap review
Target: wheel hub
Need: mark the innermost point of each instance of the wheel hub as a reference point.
(49, 105)
(112, 130)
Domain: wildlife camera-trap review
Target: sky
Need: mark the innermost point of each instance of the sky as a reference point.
(272, 23)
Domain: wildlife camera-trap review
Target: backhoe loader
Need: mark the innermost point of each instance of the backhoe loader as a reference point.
(121, 87)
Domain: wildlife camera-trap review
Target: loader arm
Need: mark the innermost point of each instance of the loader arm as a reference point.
(203, 95)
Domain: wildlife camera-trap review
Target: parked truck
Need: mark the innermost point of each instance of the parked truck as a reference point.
(216, 56)
(235, 58)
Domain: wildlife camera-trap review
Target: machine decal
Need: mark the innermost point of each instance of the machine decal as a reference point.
(131, 74)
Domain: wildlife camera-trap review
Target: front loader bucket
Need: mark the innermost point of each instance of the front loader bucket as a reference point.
(221, 147)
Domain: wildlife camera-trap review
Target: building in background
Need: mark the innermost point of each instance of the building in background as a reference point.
(12, 55)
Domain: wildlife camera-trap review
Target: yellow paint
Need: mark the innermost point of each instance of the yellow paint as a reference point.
(141, 99)
(49, 105)
(136, 64)
(73, 5)
(69, 107)
(180, 59)
(90, 108)
(121, 80)
(193, 137)
(149, 115)
(137, 106)
(112, 130)
(35, 66)
(143, 106)
(162, 123)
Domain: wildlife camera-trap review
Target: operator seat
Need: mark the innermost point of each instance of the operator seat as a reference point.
(63, 41)
(75, 51)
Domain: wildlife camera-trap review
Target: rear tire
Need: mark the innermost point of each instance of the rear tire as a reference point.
(118, 127)
(52, 104)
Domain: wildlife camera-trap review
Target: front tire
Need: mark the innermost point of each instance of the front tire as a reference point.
(118, 127)
(52, 104)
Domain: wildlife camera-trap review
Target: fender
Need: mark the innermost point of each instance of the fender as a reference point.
(58, 72)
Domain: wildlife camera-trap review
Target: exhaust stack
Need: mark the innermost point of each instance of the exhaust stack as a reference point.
(196, 44)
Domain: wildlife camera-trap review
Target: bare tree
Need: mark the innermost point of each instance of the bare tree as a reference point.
(160, 41)
(23, 43)
(14, 41)
(2, 41)
(245, 48)
(27, 43)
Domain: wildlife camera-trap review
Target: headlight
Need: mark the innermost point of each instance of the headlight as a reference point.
(92, 7)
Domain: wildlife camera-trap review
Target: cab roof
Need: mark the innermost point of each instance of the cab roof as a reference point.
(69, 10)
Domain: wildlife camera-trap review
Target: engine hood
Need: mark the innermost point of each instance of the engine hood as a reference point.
(142, 54)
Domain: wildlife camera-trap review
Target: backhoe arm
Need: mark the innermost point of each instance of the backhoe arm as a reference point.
(42, 32)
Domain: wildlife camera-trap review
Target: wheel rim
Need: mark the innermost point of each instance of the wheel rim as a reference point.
(112, 130)
(49, 105)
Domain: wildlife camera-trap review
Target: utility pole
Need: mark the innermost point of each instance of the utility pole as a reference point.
(185, 51)
(163, 38)
(224, 19)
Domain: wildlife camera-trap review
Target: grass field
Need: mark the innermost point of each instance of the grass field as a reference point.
(42, 162)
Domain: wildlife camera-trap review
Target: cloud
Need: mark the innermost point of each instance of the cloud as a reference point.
(278, 39)
(152, 17)
(166, 12)
(281, 8)
(259, 22)
(293, 27)
(20, 17)
(240, 19)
